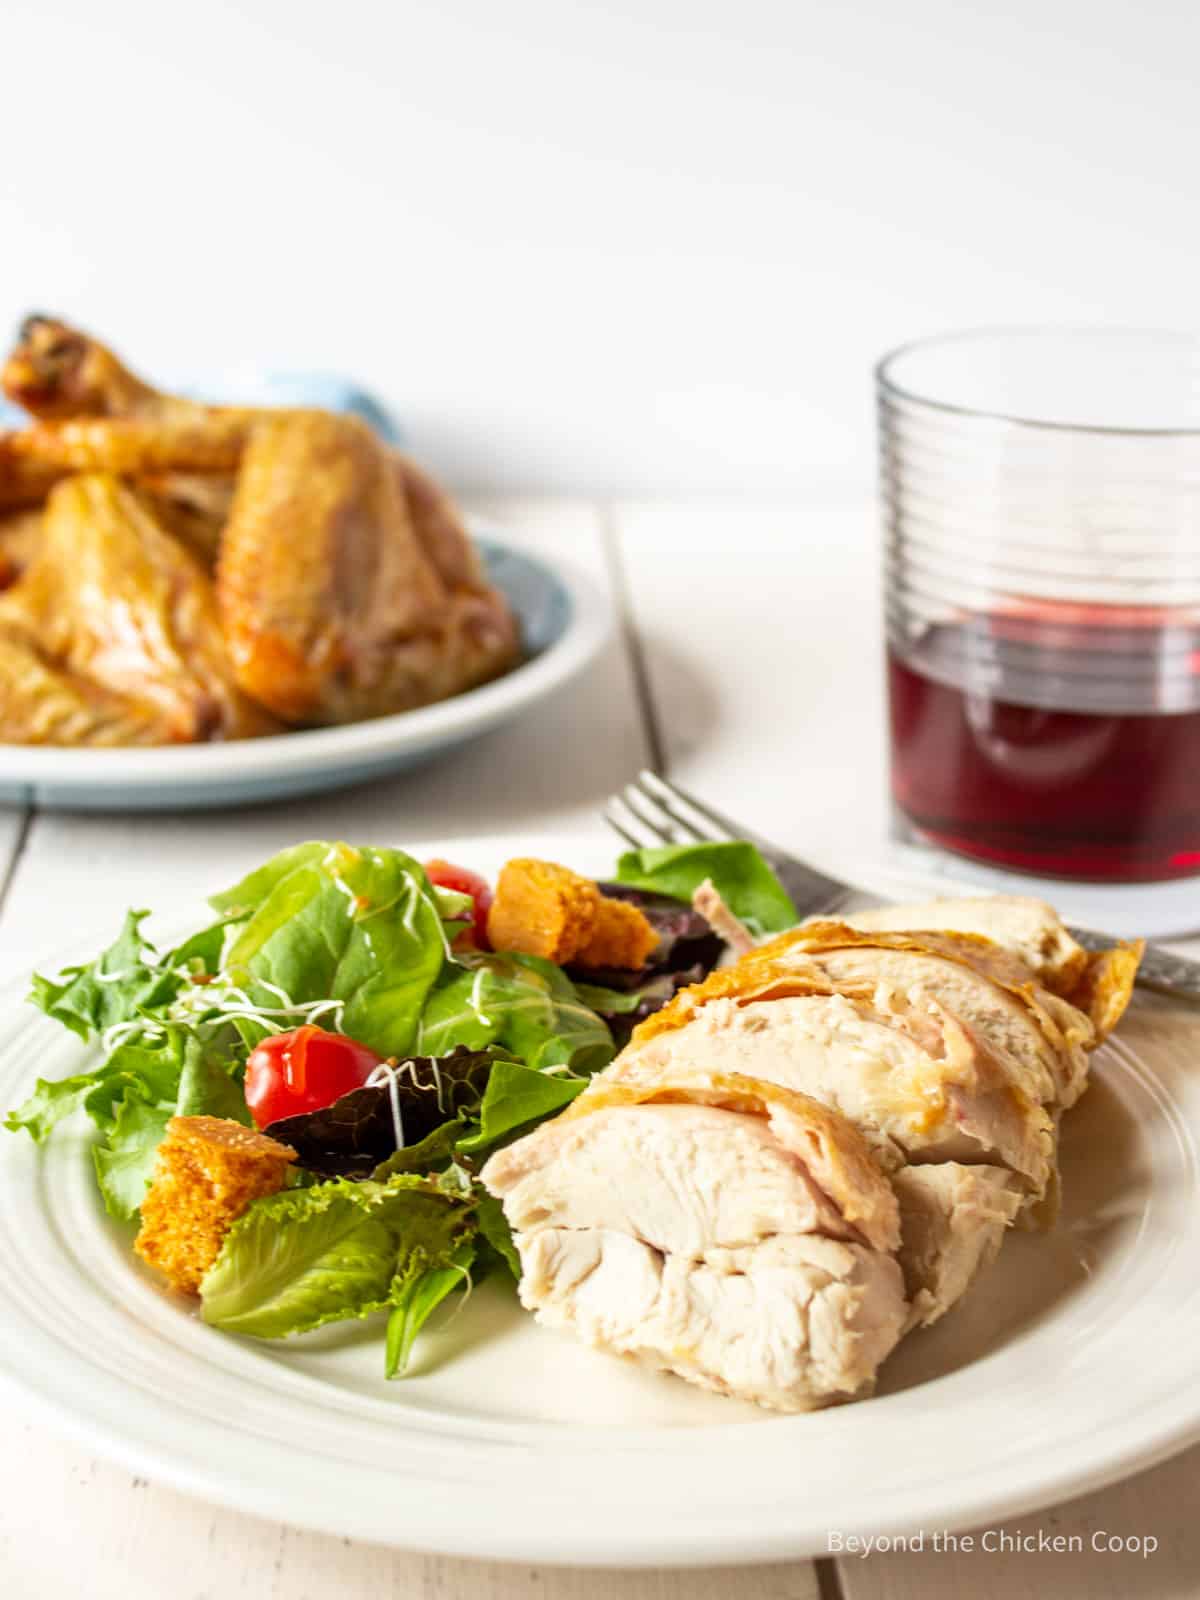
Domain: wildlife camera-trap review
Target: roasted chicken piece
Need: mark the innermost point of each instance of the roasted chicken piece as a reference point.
(192, 507)
(347, 585)
(332, 610)
(42, 704)
(113, 599)
(731, 1232)
(57, 373)
(20, 536)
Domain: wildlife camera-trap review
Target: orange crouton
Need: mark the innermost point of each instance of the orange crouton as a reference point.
(621, 936)
(542, 909)
(208, 1171)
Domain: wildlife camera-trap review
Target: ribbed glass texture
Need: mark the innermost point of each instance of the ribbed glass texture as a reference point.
(1041, 501)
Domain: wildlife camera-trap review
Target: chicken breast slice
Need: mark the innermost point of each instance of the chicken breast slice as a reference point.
(698, 1240)
(1028, 928)
(793, 1323)
(1045, 1039)
(919, 1088)
(937, 1096)
(953, 1219)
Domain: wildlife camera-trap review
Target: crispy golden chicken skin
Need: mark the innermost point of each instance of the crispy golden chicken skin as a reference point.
(57, 373)
(113, 598)
(332, 611)
(41, 703)
(20, 536)
(348, 586)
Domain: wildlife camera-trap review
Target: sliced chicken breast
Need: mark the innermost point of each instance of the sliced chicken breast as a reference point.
(921, 1088)
(792, 1323)
(914, 1082)
(953, 1219)
(728, 1231)
(1045, 1037)
(1030, 929)
(1030, 934)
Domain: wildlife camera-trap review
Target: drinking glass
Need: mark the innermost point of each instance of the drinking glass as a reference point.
(1041, 493)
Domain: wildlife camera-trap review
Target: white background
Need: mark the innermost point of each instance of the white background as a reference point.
(639, 246)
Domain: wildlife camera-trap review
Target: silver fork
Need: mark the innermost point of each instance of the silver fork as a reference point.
(651, 811)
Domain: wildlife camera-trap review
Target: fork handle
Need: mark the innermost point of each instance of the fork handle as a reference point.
(1159, 969)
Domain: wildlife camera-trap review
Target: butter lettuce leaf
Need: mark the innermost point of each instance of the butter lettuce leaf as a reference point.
(526, 1005)
(338, 1250)
(359, 927)
(125, 1158)
(739, 873)
(517, 1097)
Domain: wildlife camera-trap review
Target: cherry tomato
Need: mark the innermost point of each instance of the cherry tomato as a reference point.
(464, 881)
(304, 1070)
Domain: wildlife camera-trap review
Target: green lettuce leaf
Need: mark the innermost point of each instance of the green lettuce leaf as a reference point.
(245, 897)
(515, 1098)
(616, 1002)
(420, 1289)
(495, 1231)
(125, 1159)
(123, 980)
(431, 1154)
(141, 1071)
(740, 875)
(331, 922)
(338, 1250)
(50, 1102)
(127, 981)
(522, 1003)
(131, 1097)
(209, 1085)
(185, 1076)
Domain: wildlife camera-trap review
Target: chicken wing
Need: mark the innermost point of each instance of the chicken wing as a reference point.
(112, 598)
(58, 373)
(332, 610)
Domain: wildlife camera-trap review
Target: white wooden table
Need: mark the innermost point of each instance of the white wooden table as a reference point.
(748, 662)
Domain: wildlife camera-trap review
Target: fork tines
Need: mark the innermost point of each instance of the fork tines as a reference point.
(651, 811)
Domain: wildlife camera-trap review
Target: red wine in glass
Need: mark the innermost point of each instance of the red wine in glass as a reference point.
(1054, 738)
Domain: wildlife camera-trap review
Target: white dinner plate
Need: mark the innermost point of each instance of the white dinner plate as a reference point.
(1073, 1362)
(564, 621)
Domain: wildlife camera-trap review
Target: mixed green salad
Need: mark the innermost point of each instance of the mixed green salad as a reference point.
(345, 1002)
